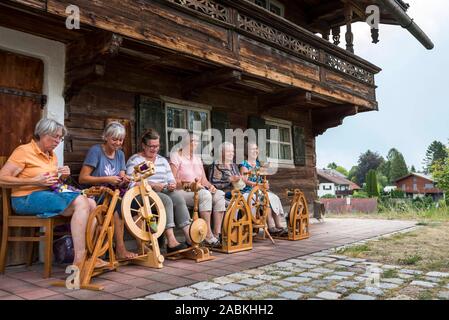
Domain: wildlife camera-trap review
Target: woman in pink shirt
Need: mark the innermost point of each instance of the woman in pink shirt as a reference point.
(187, 167)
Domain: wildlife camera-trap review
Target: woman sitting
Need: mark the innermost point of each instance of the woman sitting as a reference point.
(164, 184)
(276, 210)
(105, 166)
(32, 173)
(186, 168)
(225, 174)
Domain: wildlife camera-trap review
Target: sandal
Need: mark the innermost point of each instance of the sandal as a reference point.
(179, 247)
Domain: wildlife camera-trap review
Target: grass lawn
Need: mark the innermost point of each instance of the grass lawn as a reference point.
(426, 248)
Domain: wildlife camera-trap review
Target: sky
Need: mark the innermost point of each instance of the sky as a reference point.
(412, 92)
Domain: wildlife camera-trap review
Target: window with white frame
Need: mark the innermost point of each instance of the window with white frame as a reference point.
(271, 5)
(186, 117)
(280, 146)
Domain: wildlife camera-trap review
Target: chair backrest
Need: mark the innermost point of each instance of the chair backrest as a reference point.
(6, 195)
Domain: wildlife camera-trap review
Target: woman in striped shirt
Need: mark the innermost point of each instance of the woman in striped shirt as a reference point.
(164, 184)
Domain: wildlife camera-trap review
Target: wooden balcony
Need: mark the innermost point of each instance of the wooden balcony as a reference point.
(244, 45)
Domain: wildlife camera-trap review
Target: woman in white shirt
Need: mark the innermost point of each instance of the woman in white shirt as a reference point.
(164, 184)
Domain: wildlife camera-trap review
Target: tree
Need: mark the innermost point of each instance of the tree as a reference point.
(372, 187)
(352, 175)
(413, 169)
(332, 165)
(342, 170)
(398, 167)
(440, 172)
(367, 161)
(435, 152)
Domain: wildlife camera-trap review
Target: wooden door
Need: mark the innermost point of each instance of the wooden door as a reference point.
(21, 100)
(21, 81)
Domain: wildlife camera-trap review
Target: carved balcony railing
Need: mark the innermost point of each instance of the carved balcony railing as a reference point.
(247, 18)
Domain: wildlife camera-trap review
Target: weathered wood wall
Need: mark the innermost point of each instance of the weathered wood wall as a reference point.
(115, 97)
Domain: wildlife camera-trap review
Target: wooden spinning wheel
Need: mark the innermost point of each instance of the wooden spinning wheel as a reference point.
(237, 226)
(144, 216)
(259, 205)
(197, 232)
(298, 217)
(99, 237)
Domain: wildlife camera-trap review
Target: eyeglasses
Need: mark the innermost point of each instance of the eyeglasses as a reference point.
(152, 147)
(57, 138)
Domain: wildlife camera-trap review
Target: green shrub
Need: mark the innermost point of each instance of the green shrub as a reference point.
(360, 194)
(328, 196)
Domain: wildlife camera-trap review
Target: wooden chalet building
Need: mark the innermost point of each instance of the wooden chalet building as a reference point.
(419, 185)
(162, 63)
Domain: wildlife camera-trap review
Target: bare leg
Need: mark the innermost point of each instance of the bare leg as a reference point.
(206, 215)
(186, 230)
(278, 221)
(171, 239)
(119, 232)
(79, 210)
(271, 222)
(218, 220)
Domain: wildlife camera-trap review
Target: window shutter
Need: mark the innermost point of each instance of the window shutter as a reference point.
(258, 123)
(299, 146)
(151, 114)
(220, 121)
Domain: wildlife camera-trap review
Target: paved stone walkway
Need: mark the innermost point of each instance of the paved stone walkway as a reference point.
(132, 281)
(323, 275)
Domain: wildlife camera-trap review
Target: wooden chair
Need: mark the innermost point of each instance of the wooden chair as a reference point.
(15, 221)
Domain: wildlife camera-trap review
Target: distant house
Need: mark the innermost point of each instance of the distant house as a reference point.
(332, 182)
(419, 185)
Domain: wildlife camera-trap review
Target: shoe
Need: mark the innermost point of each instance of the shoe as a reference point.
(283, 232)
(212, 243)
(179, 247)
(274, 231)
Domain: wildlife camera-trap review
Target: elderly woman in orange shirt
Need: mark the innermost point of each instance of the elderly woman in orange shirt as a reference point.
(32, 173)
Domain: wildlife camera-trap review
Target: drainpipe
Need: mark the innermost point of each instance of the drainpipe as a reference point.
(406, 22)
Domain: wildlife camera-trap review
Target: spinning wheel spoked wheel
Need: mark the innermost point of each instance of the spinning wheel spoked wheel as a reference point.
(143, 225)
(259, 205)
(145, 218)
(95, 224)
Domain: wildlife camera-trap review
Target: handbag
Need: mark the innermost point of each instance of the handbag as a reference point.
(63, 250)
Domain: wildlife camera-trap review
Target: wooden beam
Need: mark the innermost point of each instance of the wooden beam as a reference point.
(87, 58)
(326, 118)
(210, 79)
(283, 98)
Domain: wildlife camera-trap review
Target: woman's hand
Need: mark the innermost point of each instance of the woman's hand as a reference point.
(125, 179)
(158, 187)
(212, 188)
(45, 180)
(235, 178)
(64, 172)
(171, 187)
(114, 180)
(266, 185)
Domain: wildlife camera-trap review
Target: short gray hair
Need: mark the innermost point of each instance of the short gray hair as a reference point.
(47, 126)
(114, 130)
